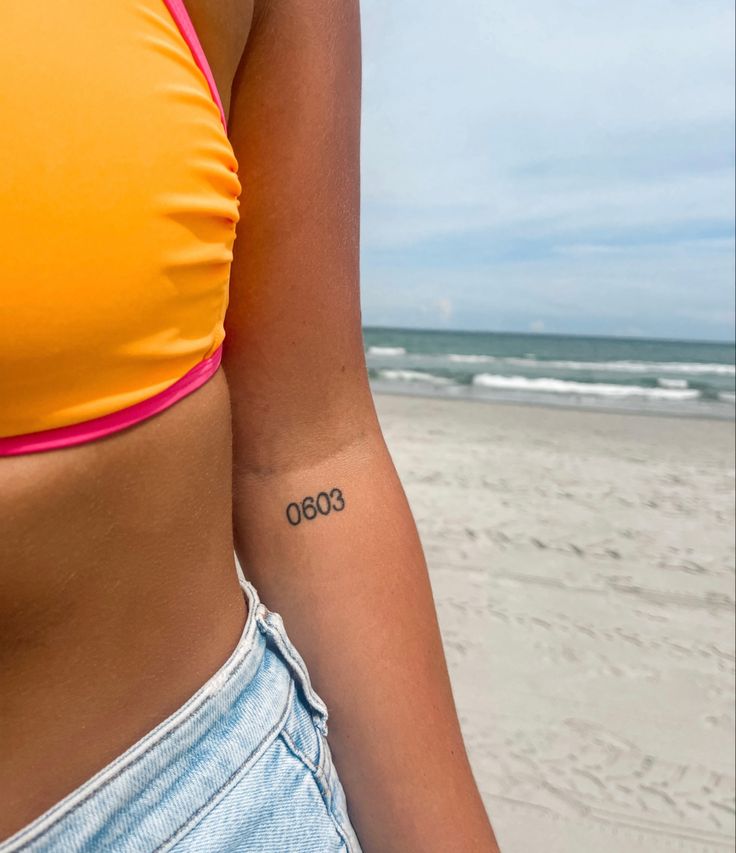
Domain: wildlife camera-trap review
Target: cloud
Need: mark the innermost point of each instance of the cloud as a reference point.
(583, 152)
(444, 309)
(672, 290)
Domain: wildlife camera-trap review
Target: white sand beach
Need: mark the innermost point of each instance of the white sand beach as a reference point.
(583, 567)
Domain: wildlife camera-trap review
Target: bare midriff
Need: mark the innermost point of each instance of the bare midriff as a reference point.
(119, 596)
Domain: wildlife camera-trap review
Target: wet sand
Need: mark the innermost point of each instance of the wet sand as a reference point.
(583, 568)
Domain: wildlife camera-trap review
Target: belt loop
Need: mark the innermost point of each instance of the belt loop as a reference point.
(272, 625)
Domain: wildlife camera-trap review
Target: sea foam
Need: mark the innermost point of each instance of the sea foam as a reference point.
(386, 351)
(561, 386)
(693, 368)
(414, 376)
(459, 358)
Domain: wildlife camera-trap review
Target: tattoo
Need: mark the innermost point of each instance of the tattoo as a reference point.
(310, 508)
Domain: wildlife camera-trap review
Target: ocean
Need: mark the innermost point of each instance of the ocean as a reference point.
(621, 374)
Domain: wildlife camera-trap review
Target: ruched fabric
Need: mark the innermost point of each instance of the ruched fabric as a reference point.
(119, 199)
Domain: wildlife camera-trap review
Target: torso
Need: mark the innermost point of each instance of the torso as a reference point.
(118, 591)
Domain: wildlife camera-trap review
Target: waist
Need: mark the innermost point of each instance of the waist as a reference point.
(118, 593)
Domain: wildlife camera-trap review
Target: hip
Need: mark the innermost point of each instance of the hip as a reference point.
(118, 593)
(243, 765)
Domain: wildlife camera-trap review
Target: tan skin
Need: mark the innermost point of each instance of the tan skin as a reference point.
(118, 593)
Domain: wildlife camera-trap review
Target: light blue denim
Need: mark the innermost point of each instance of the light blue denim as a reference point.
(244, 765)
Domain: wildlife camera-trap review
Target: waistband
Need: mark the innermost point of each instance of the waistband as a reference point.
(212, 738)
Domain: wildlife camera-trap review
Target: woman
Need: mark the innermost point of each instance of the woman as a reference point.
(150, 699)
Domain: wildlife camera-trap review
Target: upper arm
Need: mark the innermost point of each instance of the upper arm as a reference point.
(293, 353)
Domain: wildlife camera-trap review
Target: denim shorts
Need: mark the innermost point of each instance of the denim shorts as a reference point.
(244, 765)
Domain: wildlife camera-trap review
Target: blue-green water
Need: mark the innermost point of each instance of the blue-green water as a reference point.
(672, 377)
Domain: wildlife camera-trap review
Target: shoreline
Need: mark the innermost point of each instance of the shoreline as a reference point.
(422, 393)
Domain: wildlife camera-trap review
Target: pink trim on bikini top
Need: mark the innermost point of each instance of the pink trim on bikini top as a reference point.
(66, 436)
(179, 13)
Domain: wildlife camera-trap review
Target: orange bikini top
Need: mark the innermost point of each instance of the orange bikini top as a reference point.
(118, 206)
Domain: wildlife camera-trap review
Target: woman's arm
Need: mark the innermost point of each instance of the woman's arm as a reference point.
(352, 585)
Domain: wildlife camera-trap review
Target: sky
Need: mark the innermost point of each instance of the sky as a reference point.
(563, 167)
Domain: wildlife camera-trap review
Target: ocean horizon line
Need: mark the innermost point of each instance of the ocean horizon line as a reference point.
(545, 334)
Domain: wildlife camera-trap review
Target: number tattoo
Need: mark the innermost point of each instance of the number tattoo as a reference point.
(310, 508)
